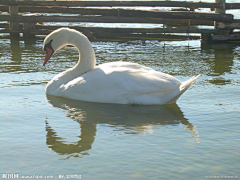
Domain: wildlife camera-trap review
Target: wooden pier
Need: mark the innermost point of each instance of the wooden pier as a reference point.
(182, 22)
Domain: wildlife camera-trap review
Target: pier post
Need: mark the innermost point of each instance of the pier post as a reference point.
(226, 35)
(28, 27)
(13, 10)
(219, 10)
(206, 37)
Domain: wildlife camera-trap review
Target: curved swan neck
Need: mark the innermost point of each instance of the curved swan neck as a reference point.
(85, 63)
(87, 59)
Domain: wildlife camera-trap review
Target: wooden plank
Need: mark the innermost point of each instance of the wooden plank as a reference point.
(133, 30)
(154, 30)
(4, 8)
(230, 37)
(4, 25)
(175, 15)
(128, 13)
(123, 3)
(62, 10)
(100, 33)
(170, 23)
(234, 25)
(119, 36)
(107, 19)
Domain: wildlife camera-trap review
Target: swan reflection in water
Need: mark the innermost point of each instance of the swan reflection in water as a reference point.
(135, 119)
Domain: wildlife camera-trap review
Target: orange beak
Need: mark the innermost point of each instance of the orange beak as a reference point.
(48, 55)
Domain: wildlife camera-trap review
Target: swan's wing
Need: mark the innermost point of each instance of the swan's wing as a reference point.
(108, 83)
(133, 74)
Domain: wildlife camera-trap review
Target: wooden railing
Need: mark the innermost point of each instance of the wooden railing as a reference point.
(21, 19)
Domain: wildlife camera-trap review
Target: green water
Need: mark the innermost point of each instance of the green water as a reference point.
(55, 137)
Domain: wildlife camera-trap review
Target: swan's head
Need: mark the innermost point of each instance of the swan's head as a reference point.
(55, 41)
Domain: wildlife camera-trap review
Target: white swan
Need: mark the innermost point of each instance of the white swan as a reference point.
(114, 82)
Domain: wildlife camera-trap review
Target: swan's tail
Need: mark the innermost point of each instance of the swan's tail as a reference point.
(184, 86)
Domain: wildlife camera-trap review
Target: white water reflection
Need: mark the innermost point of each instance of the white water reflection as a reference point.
(130, 119)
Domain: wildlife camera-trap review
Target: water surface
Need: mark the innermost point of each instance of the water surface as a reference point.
(46, 135)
